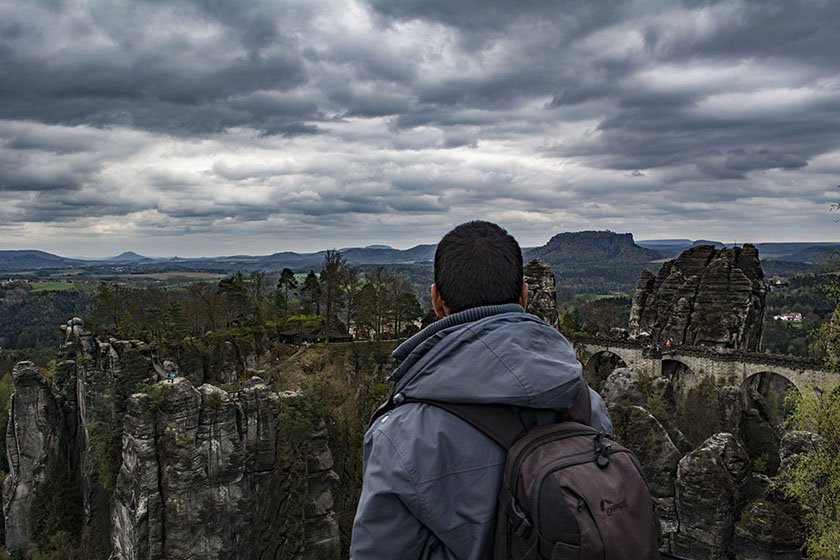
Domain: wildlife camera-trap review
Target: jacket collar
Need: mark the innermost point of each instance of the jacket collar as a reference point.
(404, 350)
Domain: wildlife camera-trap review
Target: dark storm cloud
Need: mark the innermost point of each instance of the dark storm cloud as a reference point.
(145, 64)
(57, 206)
(482, 21)
(642, 125)
(202, 113)
(18, 172)
(735, 164)
(803, 31)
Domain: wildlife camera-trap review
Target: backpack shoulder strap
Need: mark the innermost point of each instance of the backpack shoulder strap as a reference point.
(502, 423)
(581, 409)
(383, 409)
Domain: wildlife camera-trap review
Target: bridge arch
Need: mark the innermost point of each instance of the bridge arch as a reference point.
(600, 365)
(693, 399)
(764, 396)
(682, 376)
(768, 391)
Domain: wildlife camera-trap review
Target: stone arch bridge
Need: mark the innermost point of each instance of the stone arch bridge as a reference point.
(731, 367)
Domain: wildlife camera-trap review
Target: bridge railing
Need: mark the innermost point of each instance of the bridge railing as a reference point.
(607, 341)
(724, 355)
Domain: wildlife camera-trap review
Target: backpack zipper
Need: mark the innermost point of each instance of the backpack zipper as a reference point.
(594, 522)
(528, 449)
(570, 461)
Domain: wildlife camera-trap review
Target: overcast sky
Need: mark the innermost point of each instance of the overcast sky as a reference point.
(221, 127)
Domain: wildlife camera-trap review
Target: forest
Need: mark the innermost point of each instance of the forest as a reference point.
(337, 301)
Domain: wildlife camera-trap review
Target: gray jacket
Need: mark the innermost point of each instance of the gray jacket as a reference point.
(431, 480)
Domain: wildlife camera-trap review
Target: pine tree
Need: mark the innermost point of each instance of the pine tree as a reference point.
(286, 285)
(311, 291)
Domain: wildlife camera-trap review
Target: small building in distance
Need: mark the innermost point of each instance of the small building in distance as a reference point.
(789, 317)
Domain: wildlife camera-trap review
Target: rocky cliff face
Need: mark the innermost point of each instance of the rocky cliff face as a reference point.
(708, 296)
(542, 291)
(712, 482)
(167, 470)
(202, 477)
(715, 501)
(31, 440)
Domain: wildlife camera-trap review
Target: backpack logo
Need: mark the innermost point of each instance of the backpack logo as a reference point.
(610, 508)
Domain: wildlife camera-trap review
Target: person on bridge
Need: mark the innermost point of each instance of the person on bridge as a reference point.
(431, 480)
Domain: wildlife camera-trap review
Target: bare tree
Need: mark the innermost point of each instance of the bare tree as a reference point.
(330, 282)
(350, 284)
(205, 297)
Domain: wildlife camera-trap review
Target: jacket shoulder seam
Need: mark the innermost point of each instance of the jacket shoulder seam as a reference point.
(464, 470)
(412, 474)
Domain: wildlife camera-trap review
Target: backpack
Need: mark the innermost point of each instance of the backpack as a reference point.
(569, 491)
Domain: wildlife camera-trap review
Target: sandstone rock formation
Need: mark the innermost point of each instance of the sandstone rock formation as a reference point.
(712, 481)
(202, 477)
(623, 386)
(794, 444)
(708, 296)
(731, 406)
(714, 501)
(542, 291)
(589, 246)
(764, 413)
(31, 441)
(168, 470)
(768, 531)
(641, 433)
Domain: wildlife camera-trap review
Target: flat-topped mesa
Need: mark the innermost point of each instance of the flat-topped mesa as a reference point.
(706, 296)
(542, 291)
(585, 247)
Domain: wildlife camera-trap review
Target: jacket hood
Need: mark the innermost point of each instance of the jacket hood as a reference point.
(495, 354)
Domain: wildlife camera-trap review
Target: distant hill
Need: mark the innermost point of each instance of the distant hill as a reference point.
(589, 247)
(13, 261)
(799, 252)
(370, 255)
(669, 248)
(583, 249)
(127, 257)
(653, 243)
(715, 244)
(386, 255)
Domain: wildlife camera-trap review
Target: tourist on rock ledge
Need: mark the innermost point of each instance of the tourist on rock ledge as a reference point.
(431, 485)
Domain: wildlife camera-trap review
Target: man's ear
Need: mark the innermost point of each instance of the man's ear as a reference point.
(523, 295)
(438, 304)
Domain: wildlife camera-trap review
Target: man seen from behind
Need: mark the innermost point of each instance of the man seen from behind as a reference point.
(431, 480)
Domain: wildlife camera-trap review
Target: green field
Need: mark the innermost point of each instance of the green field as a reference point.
(68, 272)
(598, 297)
(53, 286)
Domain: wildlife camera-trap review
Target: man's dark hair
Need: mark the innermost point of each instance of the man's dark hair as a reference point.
(478, 263)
